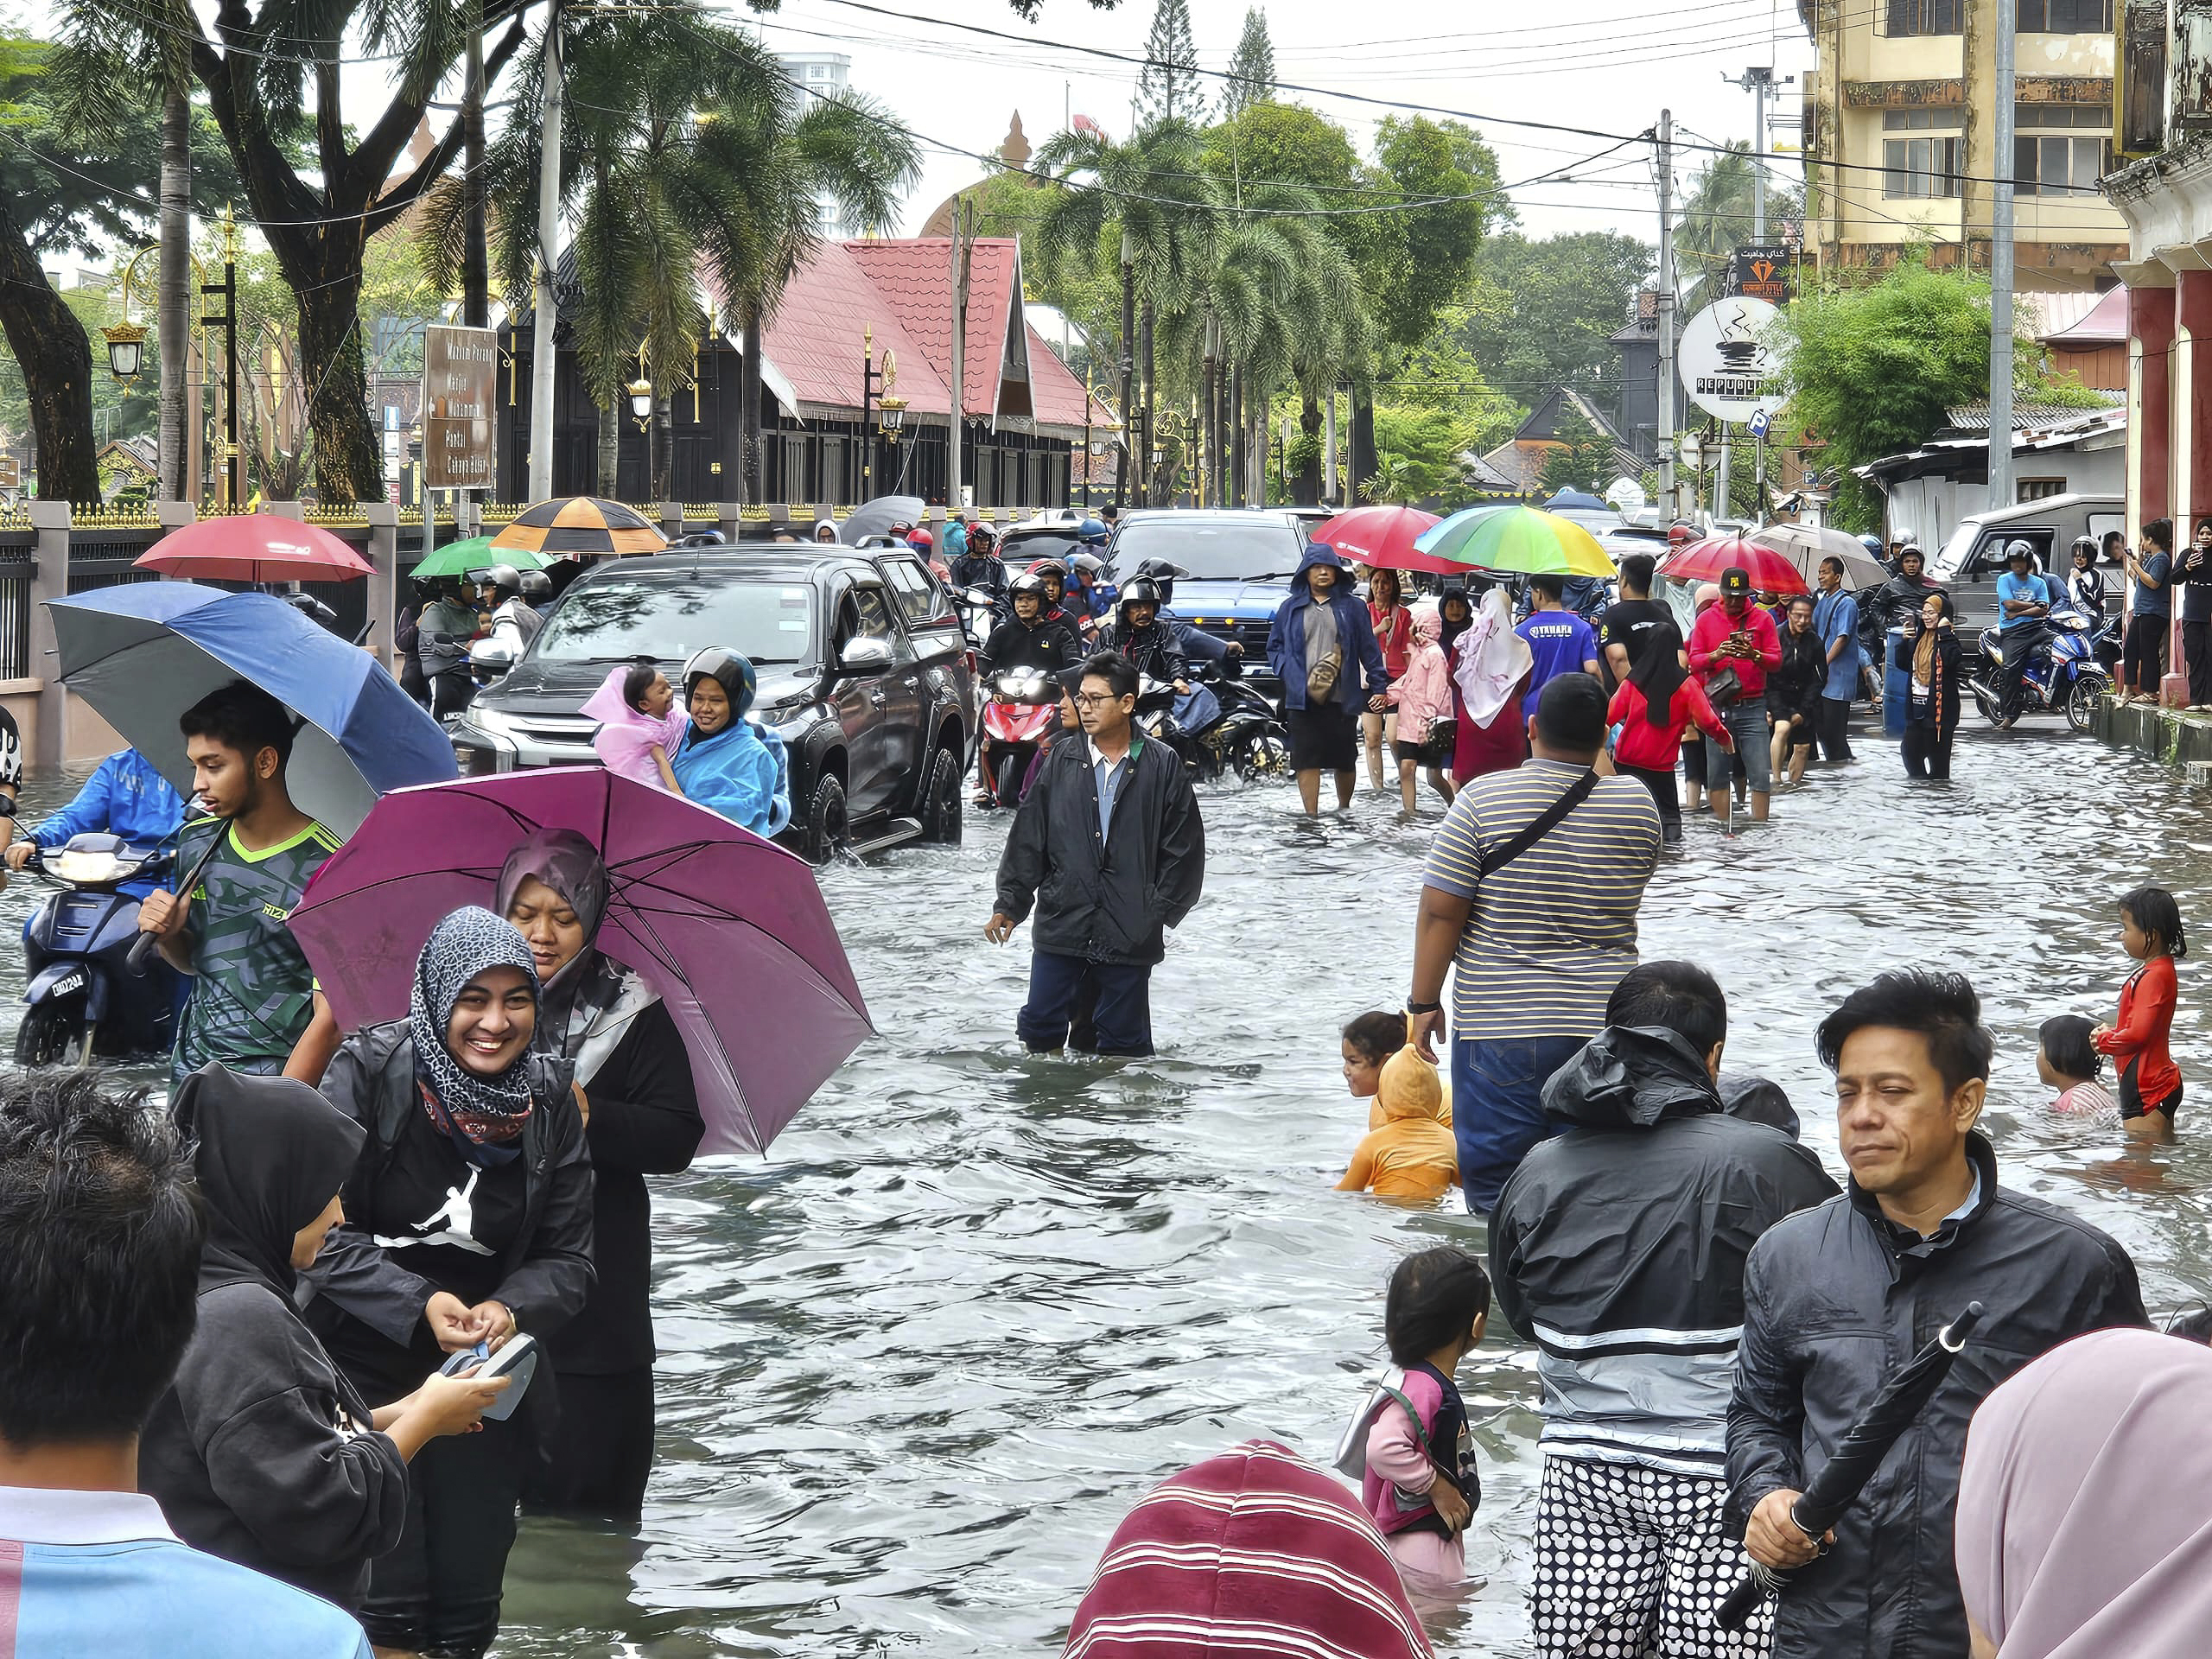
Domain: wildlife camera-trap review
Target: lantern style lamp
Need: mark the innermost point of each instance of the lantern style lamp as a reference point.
(126, 350)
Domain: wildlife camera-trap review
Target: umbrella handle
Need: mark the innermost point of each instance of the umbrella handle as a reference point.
(141, 954)
(1755, 1587)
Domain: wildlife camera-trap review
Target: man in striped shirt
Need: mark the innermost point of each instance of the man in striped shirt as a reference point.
(1538, 933)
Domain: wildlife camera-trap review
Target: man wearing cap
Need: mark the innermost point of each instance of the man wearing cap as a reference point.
(1737, 639)
(2023, 603)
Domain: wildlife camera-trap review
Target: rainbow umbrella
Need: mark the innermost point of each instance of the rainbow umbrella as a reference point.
(1519, 540)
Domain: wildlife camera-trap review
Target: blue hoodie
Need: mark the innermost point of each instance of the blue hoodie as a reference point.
(125, 796)
(742, 771)
(1362, 657)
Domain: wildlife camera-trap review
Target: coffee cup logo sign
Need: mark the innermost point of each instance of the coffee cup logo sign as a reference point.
(460, 381)
(1727, 364)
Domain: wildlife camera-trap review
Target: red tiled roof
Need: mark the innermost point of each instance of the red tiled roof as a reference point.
(815, 337)
(1055, 391)
(914, 275)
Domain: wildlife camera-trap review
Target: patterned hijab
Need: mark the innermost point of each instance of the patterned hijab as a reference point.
(587, 984)
(484, 1115)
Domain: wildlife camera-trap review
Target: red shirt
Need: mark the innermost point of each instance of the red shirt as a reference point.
(2138, 1037)
(1655, 747)
(1394, 632)
(1711, 631)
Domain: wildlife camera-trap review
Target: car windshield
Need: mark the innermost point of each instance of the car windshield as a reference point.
(1020, 552)
(1211, 549)
(669, 617)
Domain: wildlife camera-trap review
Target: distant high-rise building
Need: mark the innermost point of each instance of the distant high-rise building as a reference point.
(818, 71)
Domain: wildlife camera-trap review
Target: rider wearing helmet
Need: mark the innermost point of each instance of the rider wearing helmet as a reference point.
(1902, 594)
(1195, 641)
(979, 566)
(2085, 586)
(1054, 575)
(1139, 634)
(514, 624)
(537, 591)
(1873, 544)
(726, 763)
(1033, 638)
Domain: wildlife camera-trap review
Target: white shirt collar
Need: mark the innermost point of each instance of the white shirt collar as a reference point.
(39, 1515)
(1098, 755)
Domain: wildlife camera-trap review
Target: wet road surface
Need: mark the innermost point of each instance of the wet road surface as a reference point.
(916, 1364)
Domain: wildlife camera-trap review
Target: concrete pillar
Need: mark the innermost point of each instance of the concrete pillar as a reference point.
(2190, 442)
(730, 520)
(295, 511)
(49, 580)
(2151, 324)
(384, 580)
(671, 520)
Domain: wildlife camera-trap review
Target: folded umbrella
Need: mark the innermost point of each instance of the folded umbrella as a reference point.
(729, 929)
(1383, 537)
(1857, 1456)
(875, 517)
(1705, 560)
(254, 547)
(581, 526)
(144, 652)
(1516, 539)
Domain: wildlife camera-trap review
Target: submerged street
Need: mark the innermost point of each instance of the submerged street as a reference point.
(917, 1363)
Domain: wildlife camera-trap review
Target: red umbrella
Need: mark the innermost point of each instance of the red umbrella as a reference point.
(254, 547)
(1771, 572)
(1384, 536)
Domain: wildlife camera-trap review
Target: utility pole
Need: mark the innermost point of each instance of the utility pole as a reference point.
(960, 249)
(1669, 491)
(475, 274)
(548, 249)
(2000, 268)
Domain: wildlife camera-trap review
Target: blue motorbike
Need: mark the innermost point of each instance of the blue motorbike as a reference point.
(82, 1002)
(2064, 675)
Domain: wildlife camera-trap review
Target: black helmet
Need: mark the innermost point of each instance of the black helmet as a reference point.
(1163, 573)
(1028, 583)
(537, 587)
(1140, 590)
(504, 580)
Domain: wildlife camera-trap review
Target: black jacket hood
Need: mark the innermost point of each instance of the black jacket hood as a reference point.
(1630, 1076)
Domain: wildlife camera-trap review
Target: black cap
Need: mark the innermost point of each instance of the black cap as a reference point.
(1735, 580)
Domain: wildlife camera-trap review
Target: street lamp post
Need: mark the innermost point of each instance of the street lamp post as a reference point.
(233, 457)
(641, 391)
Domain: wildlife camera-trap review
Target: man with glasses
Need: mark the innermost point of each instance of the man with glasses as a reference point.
(1109, 849)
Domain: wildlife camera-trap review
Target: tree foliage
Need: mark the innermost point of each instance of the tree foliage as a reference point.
(1582, 457)
(1718, 218)
(1540, 313)
(1872, 366)
(1168, 87)
(1251, 68)
(1419, 452)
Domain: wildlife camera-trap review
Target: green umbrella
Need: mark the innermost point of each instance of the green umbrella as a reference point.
(459, 558)
(1516, 538)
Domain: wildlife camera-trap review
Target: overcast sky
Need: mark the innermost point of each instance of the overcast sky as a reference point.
(1606, 66)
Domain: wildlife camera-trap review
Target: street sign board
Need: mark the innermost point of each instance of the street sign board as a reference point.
(459, 376)
(1762, 273)
(1726, 363)
(1760, 424)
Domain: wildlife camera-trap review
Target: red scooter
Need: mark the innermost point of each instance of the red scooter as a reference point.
(1024, 706)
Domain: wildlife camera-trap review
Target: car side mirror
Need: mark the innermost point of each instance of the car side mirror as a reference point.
(491, 657)
(864, 656)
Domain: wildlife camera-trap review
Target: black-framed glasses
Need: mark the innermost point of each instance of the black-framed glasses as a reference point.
(1094, 699)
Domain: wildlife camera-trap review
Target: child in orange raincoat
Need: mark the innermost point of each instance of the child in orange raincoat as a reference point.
(1411, 1153)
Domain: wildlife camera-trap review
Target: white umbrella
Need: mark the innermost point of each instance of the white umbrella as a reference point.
(1805, 545)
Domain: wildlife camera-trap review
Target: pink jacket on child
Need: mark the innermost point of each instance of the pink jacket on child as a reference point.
(1423, 693)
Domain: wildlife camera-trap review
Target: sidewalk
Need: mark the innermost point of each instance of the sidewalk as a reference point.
(2174, 736)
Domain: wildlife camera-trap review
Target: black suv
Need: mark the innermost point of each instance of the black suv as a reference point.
(864, 673)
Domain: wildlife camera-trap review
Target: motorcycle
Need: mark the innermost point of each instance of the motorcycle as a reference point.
(1024, 706)
(83, 1001)
(1222, 727)
(2062, 674)
(979, 613)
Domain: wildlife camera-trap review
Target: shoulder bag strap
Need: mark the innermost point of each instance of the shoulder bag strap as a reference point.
(1547, 821)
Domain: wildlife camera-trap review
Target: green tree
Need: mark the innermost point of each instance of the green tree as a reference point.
(1251, 68)
(1717, 219)
(1872, 366)
(1540, 313)
(1419, 455)
(1168, 87)
(1583, 456)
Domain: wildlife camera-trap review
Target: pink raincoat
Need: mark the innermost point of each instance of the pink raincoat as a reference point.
(1422, 694)
(626, 739)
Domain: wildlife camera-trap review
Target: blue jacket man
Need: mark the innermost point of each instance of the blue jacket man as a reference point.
(125, 796)
(1324, 611)
(1835, 620)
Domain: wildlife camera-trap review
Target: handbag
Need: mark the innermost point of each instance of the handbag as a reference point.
(1321, 679)
(1724, 687)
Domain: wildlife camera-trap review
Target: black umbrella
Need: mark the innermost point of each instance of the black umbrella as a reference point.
(1860, 1452)
(874, 518)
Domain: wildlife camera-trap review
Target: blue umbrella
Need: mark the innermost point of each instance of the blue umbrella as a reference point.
(144, 652)
(1576, 500)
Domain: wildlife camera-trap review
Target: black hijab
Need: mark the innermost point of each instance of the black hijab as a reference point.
(1448, 631)
(269, 1154)
(1659, 673)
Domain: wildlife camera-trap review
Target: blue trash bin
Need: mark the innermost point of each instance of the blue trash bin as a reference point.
(1897, 684)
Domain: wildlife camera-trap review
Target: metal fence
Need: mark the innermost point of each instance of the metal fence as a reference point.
(15, 605)
(109, 561)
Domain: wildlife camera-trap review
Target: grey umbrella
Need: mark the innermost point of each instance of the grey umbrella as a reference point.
(876, 517)
(1805, 545)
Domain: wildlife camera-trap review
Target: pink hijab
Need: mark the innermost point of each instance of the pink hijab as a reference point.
(626, 739)
(2085, 1505)
(1491, 660)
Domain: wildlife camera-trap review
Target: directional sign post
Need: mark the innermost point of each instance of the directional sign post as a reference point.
(460, 366)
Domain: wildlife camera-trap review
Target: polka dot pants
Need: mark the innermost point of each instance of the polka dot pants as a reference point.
(1632, 1562)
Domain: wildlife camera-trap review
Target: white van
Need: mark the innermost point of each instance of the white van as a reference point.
(1969, 563)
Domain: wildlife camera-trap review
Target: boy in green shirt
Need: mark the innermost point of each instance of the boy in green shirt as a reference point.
(254, 1006)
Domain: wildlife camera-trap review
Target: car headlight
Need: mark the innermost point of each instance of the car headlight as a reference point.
(494, 721)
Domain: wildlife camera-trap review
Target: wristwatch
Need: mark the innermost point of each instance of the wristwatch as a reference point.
(1412, 1007)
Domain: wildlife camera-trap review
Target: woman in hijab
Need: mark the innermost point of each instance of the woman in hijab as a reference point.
(1489, 663)
(260, 1452)
(1256, 1552)
(641, 1117)
(467, 1220)
(1653, 706)
(2085, 1503)
(1930, 652)
(727, 763)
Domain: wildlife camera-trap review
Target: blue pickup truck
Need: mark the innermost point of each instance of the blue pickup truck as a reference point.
(1240, 560)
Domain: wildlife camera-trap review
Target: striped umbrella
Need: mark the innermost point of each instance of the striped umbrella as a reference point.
(1517, 539)
(581, 526)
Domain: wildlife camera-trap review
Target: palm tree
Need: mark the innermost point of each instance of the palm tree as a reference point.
(1717, 217)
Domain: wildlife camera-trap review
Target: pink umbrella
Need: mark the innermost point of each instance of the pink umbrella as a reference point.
(254, 547)
(729, 928)
(1384, 536)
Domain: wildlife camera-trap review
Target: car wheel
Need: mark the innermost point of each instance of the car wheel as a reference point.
(826, 826)
(1262, 755)
(940, 804)
(2082, 701)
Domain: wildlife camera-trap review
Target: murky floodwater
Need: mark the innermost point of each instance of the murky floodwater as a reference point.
(916, 1364)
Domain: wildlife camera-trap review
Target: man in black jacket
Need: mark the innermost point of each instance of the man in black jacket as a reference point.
(1109, 848)
(1139, 634)
(1031, 639)
(1837, 1299)
(1618, 1246)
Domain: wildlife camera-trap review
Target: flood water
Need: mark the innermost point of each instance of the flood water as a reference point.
(916, 1365)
